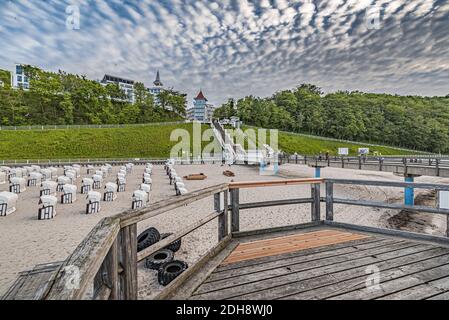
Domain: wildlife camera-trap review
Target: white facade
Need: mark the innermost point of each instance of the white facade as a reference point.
(156, 89)
(126, 85)
(19, 79)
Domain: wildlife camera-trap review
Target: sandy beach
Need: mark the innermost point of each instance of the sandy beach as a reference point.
(27, 241)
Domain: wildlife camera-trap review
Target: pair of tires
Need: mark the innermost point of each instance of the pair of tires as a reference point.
(151, 236)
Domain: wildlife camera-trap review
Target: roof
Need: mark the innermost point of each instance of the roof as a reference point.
(200, 96)
(108, 77)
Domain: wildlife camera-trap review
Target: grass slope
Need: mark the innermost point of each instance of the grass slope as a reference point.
(305, 145)
(129, 142)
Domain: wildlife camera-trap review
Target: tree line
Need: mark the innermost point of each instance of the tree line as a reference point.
(64, 99)
(420, 123)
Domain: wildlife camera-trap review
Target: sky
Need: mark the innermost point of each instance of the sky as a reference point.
(234, 48)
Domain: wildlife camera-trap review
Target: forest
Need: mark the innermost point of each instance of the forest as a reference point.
(419, 123)
(65, 99)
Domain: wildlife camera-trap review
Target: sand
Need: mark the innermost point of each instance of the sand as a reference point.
(26, 241)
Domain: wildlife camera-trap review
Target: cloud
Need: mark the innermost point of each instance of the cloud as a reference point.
(233, 48)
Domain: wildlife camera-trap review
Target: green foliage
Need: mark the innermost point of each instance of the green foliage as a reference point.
(418, 123)
(129, 142)
(5, 77)
(62, 98)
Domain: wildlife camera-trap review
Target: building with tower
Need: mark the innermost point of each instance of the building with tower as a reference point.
(202, 110)
(157, 88)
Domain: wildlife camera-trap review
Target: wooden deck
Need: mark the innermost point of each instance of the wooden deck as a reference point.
(324, 263)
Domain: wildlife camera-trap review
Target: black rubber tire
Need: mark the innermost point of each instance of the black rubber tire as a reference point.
(170, 270)
(174, 246)
(147, 238)
(157, 259)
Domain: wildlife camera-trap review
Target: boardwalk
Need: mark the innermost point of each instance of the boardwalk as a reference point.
(329, 264)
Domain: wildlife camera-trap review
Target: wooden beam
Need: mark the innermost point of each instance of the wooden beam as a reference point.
(274, 183)
(134, 216)
(79, 269)
(128, 259)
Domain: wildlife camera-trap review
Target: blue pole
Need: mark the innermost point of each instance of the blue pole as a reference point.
(409, 193)
(317, 172)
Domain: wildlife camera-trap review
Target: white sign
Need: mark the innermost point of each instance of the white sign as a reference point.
(343, 151)
(443, 200)
(363, 151)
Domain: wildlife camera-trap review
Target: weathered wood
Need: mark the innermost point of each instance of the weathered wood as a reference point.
(390, 184)
(223, 218)
(107, 275)
(128, 259)
(420, 292)
(235, 211)
(242, 234)
(273, 183)
(405, 234)
(333, 284)
(282, 276)
(315, 206)
(329, 201)
(397, 284)
(173, 287)
(134, 216)
(33, 284)
(293, 255)
(141, 255)
(79, 269)
(377, 204)
(274, 203)
(287, 259)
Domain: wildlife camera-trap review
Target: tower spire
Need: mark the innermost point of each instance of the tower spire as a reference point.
(158, 82)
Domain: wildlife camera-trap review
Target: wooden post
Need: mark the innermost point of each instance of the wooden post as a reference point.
(315, 207)
(223, 220)
(107, 275)
(437, 167)
(128, 261)
(329, 201)
(235, 226)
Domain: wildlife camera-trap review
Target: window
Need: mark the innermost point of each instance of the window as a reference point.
(19, 69)
(19, 78)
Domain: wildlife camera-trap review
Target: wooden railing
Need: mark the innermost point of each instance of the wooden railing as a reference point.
(104, 265)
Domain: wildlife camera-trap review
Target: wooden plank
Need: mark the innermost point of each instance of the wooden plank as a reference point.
(396, 284)
(340, 282)
(285, 261)
(266, 231)
(33, 284)
(390, 184)
(420, 292)
(273, 183)
(134, 216)
(329, 201)
(443, 296)
(391, 232)
(264, 280)
(141, 255)
(274, 203)
(235, 210)
(302, 253)
(293, 237)
(289, 246)
(84, 261)
(128, 260)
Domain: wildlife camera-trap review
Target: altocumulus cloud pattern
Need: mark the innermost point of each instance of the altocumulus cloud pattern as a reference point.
(238, 47)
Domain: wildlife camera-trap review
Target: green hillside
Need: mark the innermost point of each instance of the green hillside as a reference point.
(130, 142)
(307, 145)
